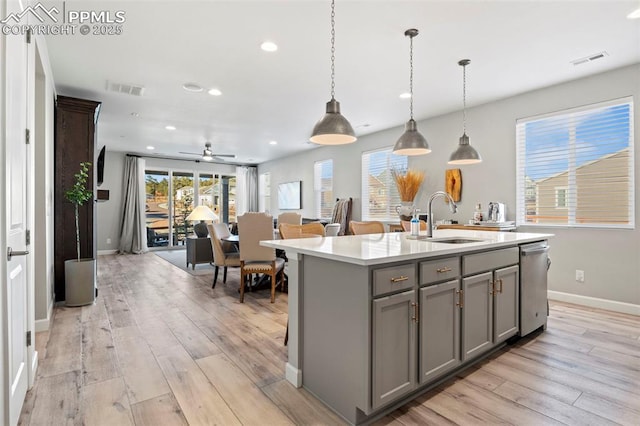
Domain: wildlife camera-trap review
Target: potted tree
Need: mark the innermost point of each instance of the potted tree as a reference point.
(79, 274)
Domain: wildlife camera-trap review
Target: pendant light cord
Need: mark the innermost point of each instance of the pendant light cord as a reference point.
(333, 48)
(411, 76)
(464, 99)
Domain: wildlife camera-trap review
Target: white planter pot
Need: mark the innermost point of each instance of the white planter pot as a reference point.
(79, 282)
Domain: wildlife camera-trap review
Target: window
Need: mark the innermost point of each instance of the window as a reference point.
(561, 197)
(323, 188)
(264, 192)
(379, 194)
(575, 167)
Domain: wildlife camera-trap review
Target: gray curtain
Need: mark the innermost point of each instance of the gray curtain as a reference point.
(246, 190)
(133, 230)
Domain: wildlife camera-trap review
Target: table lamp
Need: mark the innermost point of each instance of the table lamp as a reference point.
(201, 213)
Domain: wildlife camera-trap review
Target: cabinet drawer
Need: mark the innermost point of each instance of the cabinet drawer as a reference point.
(434, 271)
(486, 261)
(387, 280)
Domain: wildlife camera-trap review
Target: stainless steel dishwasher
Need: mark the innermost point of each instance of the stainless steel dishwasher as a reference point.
(534, 308)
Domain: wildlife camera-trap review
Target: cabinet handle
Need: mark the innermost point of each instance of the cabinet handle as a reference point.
(398, 279)
(500, 280)
(445, 269)
(492, 291)
(460, 294)
(415, 318)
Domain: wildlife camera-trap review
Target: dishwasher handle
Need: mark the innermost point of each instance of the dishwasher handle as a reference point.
(532, 251)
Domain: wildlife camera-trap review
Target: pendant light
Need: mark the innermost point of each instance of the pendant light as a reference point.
(333, 128)
(465, 153)
(411, 142)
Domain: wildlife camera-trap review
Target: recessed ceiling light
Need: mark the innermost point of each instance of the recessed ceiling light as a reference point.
(135, 114)
(635, 14)
(170, 127)
(192, 87)
(215, 92)
(405, 95)
(273, 143)
(269, 46)
(151, 148)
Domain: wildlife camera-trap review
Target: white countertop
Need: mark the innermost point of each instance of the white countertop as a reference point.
(376, 249)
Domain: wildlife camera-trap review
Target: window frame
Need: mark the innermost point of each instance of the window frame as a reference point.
(389, 190)
(319, 191)
(573, 116)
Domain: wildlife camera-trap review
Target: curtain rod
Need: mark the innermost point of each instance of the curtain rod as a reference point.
(166, 157)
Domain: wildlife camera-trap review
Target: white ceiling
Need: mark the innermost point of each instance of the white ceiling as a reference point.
(514, 46)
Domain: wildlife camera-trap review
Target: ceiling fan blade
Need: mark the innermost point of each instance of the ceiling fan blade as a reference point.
(190, 153)
(225, 155)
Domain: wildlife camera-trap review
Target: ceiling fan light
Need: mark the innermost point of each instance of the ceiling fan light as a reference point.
(411, 142)
(465, 153)
(333, 128)
(207, 157)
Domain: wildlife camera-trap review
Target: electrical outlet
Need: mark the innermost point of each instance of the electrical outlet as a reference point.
(108, 240)
(579, 275)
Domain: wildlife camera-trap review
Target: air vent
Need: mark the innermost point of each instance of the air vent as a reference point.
(590, 58)
(127, 89)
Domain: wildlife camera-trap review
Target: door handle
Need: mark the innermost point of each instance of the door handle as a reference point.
(11, 253)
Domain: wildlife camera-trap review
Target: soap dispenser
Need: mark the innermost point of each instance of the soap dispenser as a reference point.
(477, 215)
(415, 224)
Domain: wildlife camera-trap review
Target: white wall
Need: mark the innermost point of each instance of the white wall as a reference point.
(610, 258)
(109, 213)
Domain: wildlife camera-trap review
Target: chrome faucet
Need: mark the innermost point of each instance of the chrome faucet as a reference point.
(452, 206)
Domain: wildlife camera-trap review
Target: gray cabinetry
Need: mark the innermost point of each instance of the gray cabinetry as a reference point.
(439, 329)
(506, 299)
(394, 347)
(477, 318)
(490, 300)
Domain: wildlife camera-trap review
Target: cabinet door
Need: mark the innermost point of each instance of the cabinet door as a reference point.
(505, 303)
(477, 315)
(394, 347)
(439, 329)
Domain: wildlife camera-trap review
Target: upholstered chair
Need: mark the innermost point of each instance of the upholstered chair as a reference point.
(289, 217)
(254, 258)
(331, 229)
(224, 253)
(361, 228)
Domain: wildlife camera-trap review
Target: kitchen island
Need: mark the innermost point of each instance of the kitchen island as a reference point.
(375, 320)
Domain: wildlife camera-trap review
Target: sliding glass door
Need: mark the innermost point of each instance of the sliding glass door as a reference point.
(172, 195)
(157, 208)
(182, 190)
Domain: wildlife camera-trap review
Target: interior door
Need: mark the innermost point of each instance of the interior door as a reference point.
(16, 169)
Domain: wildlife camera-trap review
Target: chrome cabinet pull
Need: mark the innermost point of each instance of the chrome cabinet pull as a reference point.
(11, 253)
(445, 269)
(398, 279)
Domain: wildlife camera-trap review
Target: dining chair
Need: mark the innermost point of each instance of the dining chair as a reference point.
(406, 225)
(289, 217)
(289, 231)
(254, 258)
(361, 228)
(224, 254)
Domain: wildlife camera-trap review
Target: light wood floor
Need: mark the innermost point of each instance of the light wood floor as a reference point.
(159, 347)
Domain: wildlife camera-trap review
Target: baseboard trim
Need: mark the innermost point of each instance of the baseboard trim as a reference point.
(44, 324)
(104, 252)
(293, 375)
(594, 302)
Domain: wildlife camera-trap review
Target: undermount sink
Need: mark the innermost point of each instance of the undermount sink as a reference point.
(447, 240)
(455, 240)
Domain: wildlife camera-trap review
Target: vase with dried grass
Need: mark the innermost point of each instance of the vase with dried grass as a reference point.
(408, 183)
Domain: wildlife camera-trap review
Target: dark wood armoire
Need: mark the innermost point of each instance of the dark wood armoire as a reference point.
(75, 141)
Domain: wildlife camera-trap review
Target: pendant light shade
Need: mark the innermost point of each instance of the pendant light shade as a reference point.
(411, 142)
(333, 128)
(465, 153)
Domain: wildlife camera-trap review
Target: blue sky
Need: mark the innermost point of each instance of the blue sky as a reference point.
(599, 133)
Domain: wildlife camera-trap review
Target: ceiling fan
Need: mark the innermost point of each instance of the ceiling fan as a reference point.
(207, 153)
